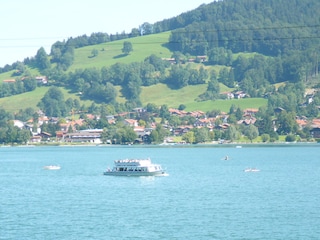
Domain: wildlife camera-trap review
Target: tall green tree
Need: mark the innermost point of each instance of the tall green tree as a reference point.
(53, 103)
(287, 123)
(179, 77)
(251, 132)
(189, 137)
(201, 135)
(132, 89)
(94, 52)
(127, 47)
(164, 112)
(232, 133)
(158, 134)
(42, 59)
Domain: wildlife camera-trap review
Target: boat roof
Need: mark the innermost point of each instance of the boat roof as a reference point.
(133, 162)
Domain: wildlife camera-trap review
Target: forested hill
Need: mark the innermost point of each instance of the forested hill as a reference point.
(263, 49)
(247, 13)
(269, 27)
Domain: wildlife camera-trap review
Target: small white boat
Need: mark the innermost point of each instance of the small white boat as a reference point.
(252, 170)
(135, 167)
(52, 167)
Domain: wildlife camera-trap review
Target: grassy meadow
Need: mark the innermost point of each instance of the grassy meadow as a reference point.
(6, 75)
(22, 101)
(31, 99)
(161, 94)
(224, 105)
(111, 52)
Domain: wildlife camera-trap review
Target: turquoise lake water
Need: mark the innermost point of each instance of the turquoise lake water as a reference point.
(204, 197)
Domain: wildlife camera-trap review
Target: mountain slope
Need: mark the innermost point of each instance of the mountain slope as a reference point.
(110, 53)
(284, 33)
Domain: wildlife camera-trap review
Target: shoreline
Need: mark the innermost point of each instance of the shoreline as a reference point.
(212, 144)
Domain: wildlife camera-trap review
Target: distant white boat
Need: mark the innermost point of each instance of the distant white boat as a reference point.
(52, 167)
(252, 170)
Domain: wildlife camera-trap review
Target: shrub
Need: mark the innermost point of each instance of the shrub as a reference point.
(290, 138)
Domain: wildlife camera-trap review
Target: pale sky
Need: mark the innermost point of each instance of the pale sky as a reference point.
(27, 25)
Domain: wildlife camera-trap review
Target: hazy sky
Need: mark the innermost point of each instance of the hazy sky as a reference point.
(26, 26)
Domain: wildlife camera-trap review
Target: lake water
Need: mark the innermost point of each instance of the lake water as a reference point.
(204, 197)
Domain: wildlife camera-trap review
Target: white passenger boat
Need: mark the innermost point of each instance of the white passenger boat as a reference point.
(52, 167)
(135, 167)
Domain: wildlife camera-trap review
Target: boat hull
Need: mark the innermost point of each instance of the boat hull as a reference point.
(135, 174)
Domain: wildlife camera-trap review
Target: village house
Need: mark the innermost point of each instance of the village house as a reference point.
(223, 126)
(35, 128)
(140, 131)
(315, 128)
(130, 122)
(196, 114)
(229, 95)
(64, 127)
(250, 111)
(42, 79)
(139, 110)
(202, 58)
(9, 81)
(170, 60)
(111, 120)
(204, 122)
(302, 122)
(19, 124)
(315, 132)
(45, 136)
(36, 139)
(176, 112)
(247, 121)
(84, 136)
(43, 119)
(180, 130)
(239, 94)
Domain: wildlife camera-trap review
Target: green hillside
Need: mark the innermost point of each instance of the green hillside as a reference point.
(224, 105)
(160, 94)
(252, 53)
(111, 53)
(30, 99)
